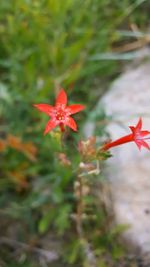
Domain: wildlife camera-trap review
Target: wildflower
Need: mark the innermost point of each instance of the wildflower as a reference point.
(138, 136)
(60, 114)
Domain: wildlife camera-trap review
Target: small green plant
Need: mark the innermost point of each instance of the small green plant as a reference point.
(92, 246)
(81, 45)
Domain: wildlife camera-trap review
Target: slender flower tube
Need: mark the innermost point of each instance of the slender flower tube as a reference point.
(138, 136)
(60, 114)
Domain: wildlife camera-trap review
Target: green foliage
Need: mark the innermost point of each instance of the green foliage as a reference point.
(46, 44)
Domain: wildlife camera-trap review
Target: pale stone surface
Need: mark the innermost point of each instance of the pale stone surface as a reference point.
(129, 169)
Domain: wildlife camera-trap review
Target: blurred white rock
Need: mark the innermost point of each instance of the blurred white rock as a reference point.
(129, 169)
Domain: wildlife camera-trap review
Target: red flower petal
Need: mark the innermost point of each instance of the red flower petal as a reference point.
(75, 108)
(138, 143)
(145, 145)
(44, 108)
(50, 125)
(132, 128)
(141, 143)
(144, 133)
(61, 98)
(71, 123)
(139, 124)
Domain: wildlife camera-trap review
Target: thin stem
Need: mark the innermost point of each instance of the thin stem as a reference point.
(90, 259)
(79, 208)
(50, 255)
(61, 127)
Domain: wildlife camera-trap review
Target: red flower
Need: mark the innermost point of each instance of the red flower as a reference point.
(60, 113)
(137, 136)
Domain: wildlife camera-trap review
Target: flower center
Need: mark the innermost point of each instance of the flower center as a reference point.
(60, 115)
(138, 136)
(143, 138)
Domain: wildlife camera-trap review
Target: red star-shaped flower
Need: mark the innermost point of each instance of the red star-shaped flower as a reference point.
(60, 114)
(138, 136)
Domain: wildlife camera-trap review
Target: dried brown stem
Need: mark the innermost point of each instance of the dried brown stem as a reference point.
(90, 260)
(49, 255)
(79, 207)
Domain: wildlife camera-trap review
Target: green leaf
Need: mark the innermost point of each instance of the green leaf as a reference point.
(45, 221)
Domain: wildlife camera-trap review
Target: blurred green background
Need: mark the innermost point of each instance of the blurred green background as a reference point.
(46, 45)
